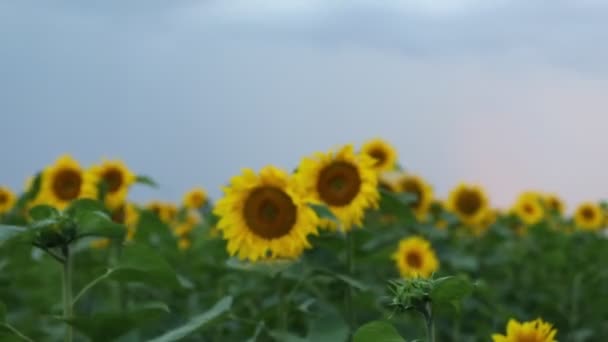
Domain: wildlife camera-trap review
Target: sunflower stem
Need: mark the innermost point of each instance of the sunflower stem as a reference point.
(282, 308)
(350, 262)
(428, 316)
(117, 289)
(67, 290)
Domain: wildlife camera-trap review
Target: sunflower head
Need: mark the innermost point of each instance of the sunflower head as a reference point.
(382, 153)
(468, 202)
(195, 198)
(529, 208)
(589, 216)
(345, 182)
(263, 216)
(554, 204)
(166, 212)
(128, 215)
(7, 199)
(532, 331)
(415, 258)
(117, 179)
(64, 182)
(416, 186)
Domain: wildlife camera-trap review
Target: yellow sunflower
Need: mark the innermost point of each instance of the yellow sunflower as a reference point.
(195, 198)
(118, 179)
(382, 153)
(529, 208)
(64, 182)
(415, 258)
(468, 202)
(532, 331)
(345, 182)
(126, 214)
(487, 220)
(589, 216)
(422, 190)
(264, 216)
(166, 212)
(7, 199)
(554, 203)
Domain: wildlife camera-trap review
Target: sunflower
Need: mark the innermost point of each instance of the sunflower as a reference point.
(64, 182)
(118, 178)
(422, 190)
(264, 216)
(468, 202)
(7, 199)
(532, 331)
(195, 198)
(345, 182)
(166, 212)
(488, 219)
(382, 153)
(554, 203)
(415, 258)
(128, 215)
(589, 216)
(184, 244)
(529, 208)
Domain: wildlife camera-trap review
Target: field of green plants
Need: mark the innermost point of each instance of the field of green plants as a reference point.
(349, 246)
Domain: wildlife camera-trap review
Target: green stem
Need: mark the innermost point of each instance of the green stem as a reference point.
(16, 332)
(282, 308)
(350, 263)
(67, 291)
(117, 289)
(430, 326)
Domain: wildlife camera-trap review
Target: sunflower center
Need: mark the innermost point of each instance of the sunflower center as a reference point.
(3, 198)
(468, 202)
(66, 184)
(113, 178)
(379, 156)
(528, 209)
(413, 259)
(339, 183)
(413, 187)
(527, 337)
(197, 199)
(588, 214)
(269, 212)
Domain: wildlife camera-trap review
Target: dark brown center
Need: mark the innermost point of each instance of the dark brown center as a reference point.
(3, 197)
(413, 259)
(66, 184)
(269, 212)
(414, 187)
(113, 178)
(379, 156)
(588, 214)
(468, 202)
(339, 183)
(528, 209)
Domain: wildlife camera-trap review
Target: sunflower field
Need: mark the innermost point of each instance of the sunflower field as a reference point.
(349, 246)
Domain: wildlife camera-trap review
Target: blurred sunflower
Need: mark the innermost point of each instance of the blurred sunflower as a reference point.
(64, 182)
(184, 244)
(382, 153)
(166, 212)
(487, 220)
(263, 216)
(415, 258)
(128, 215)
(532, 331)
(468, 202)
(554, 204)
(529, 208)
(7, 199)
(422, 190)
(589, 216)
(118, 178)
(345, 182)
(195, 198)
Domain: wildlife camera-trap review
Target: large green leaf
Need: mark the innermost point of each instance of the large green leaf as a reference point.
(83, 205)
(109, 326)
(377, 331)
(8, 232)
(329, 327)
(267, 267)
(141, 264)
(196, 322)
(41, 212)
(450, 289)
(98, 223)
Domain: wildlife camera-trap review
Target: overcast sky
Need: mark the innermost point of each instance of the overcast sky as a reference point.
(510, 94)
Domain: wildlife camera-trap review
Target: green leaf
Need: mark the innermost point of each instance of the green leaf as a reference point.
(267, 267)
(145, 180)
(352, 282)
(8, 232)
(323, 212)
(109, 326)
(2, 312)
(83, 205)
(98, 223)
(329, 327)
(142, 264)
(197, 322)
(450, 289)
(41, 212)
(377, 331)
(284, 336)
